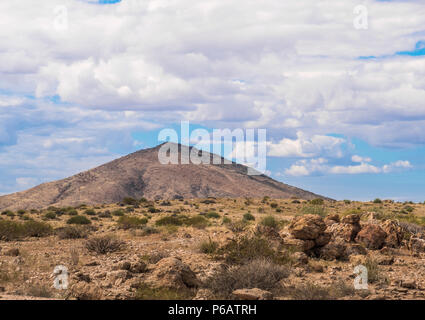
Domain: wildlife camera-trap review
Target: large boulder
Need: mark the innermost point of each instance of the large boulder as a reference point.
(307, 227)
(351, 219)
(394, 233)
(298, 244)
(372, 236)
(335, 250)
(331, 219)
(171, 272)
(252, 294)
(417, 244)
(345, 231)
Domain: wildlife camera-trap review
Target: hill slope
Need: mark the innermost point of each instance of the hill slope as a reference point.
(140, 174)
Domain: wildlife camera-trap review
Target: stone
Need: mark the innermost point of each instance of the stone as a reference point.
(416, 244)
(204, 294)
(323, 239)
(85, 291)
(372, 236)
(345, 231)
(171, 272)
(14, 252)
(394, 233)
(125, 265)
(335, 250)
(356, 249)
(307, 227)
(351, 219)
(252, 294)
(331, 219)
(298, 244)
(138, 267)
(300, 258)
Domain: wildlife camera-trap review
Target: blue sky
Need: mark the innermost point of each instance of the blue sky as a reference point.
(89, 81)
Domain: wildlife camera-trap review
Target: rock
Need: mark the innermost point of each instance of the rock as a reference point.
(14, 252)
(300, 258)
(83, 277)
(356, 260)
(331, 219)
(408, 284)
(85, 291)
(204, 294)
(335, 250)
(351, 219)
(120, 274)
(355, 249)
(92, 264)
(394, 233)
(173, 273)
(384, 260)
(416, 244)
(323, 239)
(125, 265)
(298, 244)
(345, 231)
(138, 267)
(252, 294)
(307, 227)
(372, 236)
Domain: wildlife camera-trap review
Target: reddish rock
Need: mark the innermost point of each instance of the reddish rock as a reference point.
(323, 239)
(394, 234)
(307, 227)
(351, 219)
(372, 236)
(345, 231)
(335, 250)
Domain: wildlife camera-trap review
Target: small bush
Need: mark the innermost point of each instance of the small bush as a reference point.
(129, 201)
(198, 222)
(314, 209)
(90, 212)
(10, 230)
(72, 212)
(70, 232)
(213, 215)
(246, 248)
(237, 226)
(248, 217)
(227, 220)
(118, 213)
(50, 215)
(270, 222)
(259, 273)
(208, 246)
(78, 220)
(153, 210)
(170, 220)
(317, 202)
(105, 214)
(127, 222)
(146, 231)
(104, 245)
(377, 200)
(273, 205)
(373, 270)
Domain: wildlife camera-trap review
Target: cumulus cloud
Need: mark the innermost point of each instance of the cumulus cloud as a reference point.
(321, 166)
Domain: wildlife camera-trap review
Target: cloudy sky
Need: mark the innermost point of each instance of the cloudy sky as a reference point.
(84, 82)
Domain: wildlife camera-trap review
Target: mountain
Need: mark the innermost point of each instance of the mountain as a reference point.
(140, 174)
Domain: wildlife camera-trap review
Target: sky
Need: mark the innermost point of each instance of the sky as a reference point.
(83, 82)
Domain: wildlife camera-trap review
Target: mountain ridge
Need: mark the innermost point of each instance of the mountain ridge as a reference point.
(140, 174)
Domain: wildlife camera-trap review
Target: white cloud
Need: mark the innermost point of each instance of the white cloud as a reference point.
(356, 158)
(320, 166)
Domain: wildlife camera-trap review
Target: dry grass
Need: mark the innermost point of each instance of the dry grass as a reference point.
(104, 245)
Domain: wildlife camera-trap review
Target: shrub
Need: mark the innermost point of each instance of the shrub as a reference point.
(373, 270)
(317, 202)
(105, 214)
(10, 214)
(314, 209)
(226, 220)
(70, 232)
(377, 200)
(270, 222)
(72, 212)
(104, 245)
(213, 215)
(347, 201)
(10, 230)
(198, 222)
(127, 222)
(144, 292)
(258, 273)
(129, 201)
(208, 246)
(408, 209)
(90, 212)
(78, 220)
(237, 226)
(152, 209)
(246, 248)
(146, 231)
(50, 215)
(248, 217)
(118, 213)
(273, 205)
(170, 220)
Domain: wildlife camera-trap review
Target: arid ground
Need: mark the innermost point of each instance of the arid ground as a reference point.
(214, 249)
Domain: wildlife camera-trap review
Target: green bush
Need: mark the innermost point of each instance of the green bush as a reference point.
(70, 232)
(317, 202)
(50, 215)
(10, 230)
(78, 220)
(152, 209)
(314, 209)
(213, 215)
(248, 217)
(129, 201)
(118, 213)
(273, 205)
(170, 220)
(127, 222)
(270, 222)
(198, 222)
(227, 220)
(90, 212)
(208, 246)
(377, 200)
